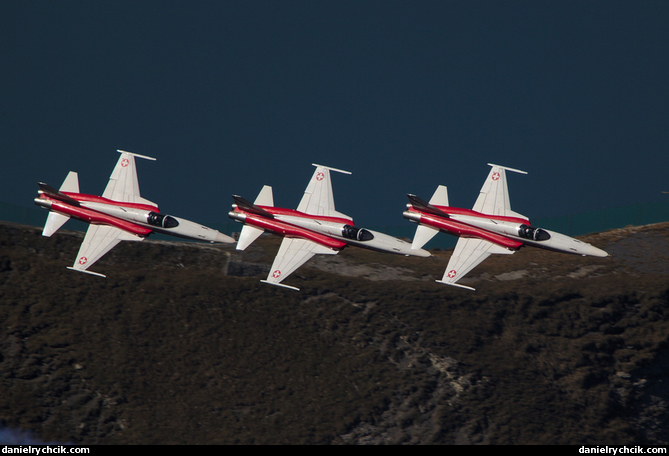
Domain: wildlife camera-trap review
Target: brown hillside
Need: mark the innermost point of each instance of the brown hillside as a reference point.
(181, 343)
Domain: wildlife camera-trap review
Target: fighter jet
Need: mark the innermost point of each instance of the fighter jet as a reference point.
(490, 227)
(120, 214)
(314, 228)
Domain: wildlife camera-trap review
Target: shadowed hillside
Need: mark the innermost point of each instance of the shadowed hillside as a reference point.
(181, 343)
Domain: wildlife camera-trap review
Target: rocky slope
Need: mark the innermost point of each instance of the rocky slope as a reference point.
(182, 344)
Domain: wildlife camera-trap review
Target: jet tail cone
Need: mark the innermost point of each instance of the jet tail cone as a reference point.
(57, 194)
(248, 206)
(424, 206)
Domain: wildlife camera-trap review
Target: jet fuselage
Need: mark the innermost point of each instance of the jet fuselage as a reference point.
(136, 218)
(332, 232)
(508, 232)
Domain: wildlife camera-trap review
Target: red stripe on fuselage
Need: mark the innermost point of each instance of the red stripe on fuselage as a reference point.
(292, 212)
(95, 217)
(289, 230)
(462, 229)
(82, 197)
(460, 211)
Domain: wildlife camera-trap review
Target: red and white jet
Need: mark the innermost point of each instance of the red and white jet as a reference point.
(120, 214)
(490, 227)
(314, 228)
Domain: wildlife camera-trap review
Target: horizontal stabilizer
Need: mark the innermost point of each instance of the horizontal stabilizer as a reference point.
(248, 206)
(424, 206)
(53, 223)
(248, 234)
(424, 233)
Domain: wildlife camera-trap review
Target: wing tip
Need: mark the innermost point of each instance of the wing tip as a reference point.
(508, 169)
(331, 169)
(280, 285)
(456, 285)
(134, 154)
(87, 272)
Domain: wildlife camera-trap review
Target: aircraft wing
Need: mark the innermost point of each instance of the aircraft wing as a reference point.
(494, 196)
(123, 184)
(468, 253)
(99, 240)
(318, 198)
(293, 253)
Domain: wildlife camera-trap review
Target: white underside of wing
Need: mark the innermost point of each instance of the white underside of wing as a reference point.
(293, 253)
(469, 253)
(318, 198)
(494, 196)
(99, 240)
(123, 184)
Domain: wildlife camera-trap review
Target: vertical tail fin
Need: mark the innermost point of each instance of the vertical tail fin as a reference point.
(250, 233)
(55, 220)
(440, 197)
(265, 197)
(71, 183)
(424, 233)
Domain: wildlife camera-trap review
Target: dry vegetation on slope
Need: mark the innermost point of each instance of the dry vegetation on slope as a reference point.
(183, 344)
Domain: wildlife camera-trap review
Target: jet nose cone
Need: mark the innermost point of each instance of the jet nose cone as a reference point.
(421, 253)
(594, 251)
(222, 238)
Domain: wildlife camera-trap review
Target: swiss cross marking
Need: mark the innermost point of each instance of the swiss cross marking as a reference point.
(83, 260)
(125, 162)
(320, 176)
(451, 273)
(495, 176)
(276, 274)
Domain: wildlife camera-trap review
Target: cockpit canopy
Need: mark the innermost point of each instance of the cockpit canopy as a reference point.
(532, 233)
(358, 234)
(162, 220)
